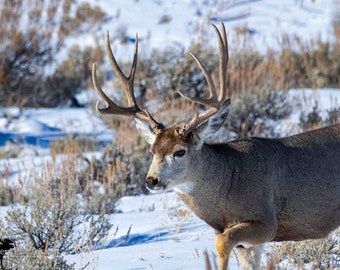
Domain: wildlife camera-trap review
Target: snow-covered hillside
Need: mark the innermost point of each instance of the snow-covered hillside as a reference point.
(266, 20)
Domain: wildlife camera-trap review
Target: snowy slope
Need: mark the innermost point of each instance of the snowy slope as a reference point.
(265, 20)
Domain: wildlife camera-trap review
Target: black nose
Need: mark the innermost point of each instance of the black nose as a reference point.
(151, 182)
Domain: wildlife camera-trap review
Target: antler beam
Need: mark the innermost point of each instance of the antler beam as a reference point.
(127, 83)
(215, 101)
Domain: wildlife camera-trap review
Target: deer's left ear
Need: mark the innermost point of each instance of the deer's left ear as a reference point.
(210, 127)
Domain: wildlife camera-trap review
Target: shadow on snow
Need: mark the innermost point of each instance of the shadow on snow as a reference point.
(137, 239)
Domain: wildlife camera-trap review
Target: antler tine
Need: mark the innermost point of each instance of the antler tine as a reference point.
(211, 85)
(214, 102)
(127, 83)
(111, 107)
(224, 58)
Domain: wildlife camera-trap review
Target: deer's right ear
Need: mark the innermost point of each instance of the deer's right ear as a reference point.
(210, 127)
(145, 131)
(215, 122)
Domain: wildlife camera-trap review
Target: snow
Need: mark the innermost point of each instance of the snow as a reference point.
(325, 99)
(303, 101)
(265, 20)
(159, 238)
(164, 234)
(41, 126)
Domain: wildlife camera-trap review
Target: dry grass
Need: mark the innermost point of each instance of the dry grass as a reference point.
(299, 64)
(72, 145)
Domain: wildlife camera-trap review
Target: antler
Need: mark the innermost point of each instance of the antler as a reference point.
(215, 101)
(127, 83)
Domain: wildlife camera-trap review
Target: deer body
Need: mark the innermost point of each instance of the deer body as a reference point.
(254, 180)
(250, 191)
(256, 190)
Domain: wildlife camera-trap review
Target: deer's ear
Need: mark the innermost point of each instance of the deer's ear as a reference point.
(211, 126)
(145, 131)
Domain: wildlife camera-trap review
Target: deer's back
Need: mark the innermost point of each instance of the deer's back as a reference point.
(311, 189)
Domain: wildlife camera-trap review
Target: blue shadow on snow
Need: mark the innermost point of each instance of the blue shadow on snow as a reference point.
(137, 239)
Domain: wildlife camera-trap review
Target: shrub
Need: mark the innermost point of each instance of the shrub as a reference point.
(104, 181)
(317, 252)
(85, 19)
(314, 120)
(257, 113)
(333, 116)
(168, 70)
(27, 50)
(9, 193)
(25, 256)
(55, 221)
(71, 75)
(123, 166)
(311, 120)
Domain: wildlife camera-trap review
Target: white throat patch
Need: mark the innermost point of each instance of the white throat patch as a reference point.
(185, 188)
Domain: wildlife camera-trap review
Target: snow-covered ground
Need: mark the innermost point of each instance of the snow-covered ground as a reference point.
(164, 234)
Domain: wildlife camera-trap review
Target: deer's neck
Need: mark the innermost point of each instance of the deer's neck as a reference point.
(208, 186)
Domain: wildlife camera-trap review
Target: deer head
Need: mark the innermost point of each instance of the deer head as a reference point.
(173, 148)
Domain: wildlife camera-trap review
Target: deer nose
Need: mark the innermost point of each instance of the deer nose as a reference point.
(152, 182)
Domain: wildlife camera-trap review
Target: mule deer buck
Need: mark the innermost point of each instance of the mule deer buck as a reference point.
(251, 190)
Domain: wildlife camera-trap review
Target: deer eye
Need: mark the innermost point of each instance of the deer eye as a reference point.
(179, 153)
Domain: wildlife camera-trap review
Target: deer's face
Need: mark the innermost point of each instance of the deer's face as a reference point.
(172, 157)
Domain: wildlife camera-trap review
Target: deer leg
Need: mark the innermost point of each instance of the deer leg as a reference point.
(223, 250)
(251, 233)
(250, 258)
